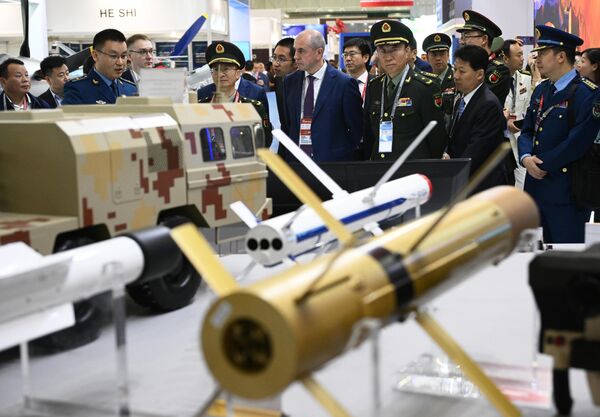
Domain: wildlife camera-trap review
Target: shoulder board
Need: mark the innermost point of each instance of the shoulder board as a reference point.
(496, 62)
(590, 84)
(422, 78)
(522, 71)
(126, 81)
(429, 74)
(83, 77)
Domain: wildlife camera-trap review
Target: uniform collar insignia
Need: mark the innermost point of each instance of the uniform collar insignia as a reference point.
(95, 81)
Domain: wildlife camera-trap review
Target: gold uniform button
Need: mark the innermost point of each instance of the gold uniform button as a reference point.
(402, 114)
(564, 170)
(385, 115)
(541, 129)
(560, 116)
(382, 155)
(537, 142)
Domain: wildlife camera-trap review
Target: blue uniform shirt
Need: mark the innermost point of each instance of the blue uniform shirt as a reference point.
(95, 89)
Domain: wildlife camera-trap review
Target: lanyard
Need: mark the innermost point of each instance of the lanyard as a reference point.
(398, 89)
(362, 95)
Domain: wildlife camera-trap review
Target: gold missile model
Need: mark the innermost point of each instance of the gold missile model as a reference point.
(259, 339)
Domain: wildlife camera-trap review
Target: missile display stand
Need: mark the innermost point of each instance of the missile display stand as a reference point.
(35, 404)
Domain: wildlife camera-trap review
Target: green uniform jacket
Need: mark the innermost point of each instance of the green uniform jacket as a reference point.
(420, 102)
(498, 79)
(260, 109)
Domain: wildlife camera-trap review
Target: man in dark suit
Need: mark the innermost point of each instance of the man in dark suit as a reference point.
(104, 83)
(244, 87)
(283, 64)
(15, 83)
(323, 109)
(357, 55)
(141, 55)
(56, 75)
(478, 124)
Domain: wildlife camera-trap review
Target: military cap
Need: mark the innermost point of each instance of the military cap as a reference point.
(549, 37)
(437, 42)
(388, 32)
(477, 21)
(221, 51)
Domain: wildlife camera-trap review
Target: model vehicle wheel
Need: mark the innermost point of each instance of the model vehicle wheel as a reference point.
(173, 290)
(88, 316)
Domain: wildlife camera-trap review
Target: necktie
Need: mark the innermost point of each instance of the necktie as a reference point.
(113, 87)
(390, 90)
(461, 108)
(309, 106)
(552, 89)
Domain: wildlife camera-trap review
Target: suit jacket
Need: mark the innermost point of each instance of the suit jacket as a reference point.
(128, 75)
(265, 79)
(48, 98)
(245, 88)
(478, 132)
(36, 103)
(337, 117)
(91, 89)
(280, 102)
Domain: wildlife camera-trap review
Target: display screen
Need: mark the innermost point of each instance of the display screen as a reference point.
(574, 16)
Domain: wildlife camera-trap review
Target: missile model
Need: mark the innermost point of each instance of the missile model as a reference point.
(259, 339)
(37, 292)
(287, 236)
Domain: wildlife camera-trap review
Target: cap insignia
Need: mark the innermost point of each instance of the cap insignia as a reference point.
(386, 27)
(220, 48)
(467, 17)
(437, 38)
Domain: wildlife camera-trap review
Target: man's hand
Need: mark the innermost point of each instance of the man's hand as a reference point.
(531, 163)
(511, 126)
(445, 156)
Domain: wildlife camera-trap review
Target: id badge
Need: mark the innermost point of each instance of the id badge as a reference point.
(305, 125)
(386, 136)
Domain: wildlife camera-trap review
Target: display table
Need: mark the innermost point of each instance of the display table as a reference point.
(492, 315)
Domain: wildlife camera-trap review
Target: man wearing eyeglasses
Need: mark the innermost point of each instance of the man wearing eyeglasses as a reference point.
(478, 30)
(283, 65)
(104, 83)
(141, 55)
(357, 54)
(226, 62)
(402, 102)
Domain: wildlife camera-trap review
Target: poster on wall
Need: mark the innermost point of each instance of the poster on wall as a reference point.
(574, 16)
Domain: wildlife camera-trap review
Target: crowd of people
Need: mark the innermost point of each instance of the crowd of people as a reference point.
(373, 110)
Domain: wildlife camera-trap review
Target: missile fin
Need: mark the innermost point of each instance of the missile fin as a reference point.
(200, 254)
(468, 366)
(305, 194)
(322, 176)
(244, 213)
(323, 397)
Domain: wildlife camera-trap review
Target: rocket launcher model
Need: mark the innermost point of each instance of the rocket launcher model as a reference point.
(37, 292)
(259, 339)
(290, 235)
(566, 287)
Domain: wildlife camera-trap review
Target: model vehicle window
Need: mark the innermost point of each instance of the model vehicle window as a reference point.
(259, 136)
(241, 142)
(212, 142)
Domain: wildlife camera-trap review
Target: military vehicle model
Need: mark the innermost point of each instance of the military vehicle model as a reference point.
(71, 179)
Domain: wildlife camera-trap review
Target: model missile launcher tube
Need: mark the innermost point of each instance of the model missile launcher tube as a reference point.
(259, 339)
(294, 233)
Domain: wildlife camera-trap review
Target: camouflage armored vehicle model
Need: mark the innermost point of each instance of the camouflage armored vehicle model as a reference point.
(88, 177)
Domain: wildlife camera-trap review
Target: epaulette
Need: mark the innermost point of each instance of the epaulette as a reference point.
(126, 81)
(379, 77)
(422, 78)
(522, 71)
(590, 84)
(428, 74)
(495, 61)
(82, 77)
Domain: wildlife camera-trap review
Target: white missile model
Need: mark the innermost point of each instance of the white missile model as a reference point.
(37, 292)
(293, 234)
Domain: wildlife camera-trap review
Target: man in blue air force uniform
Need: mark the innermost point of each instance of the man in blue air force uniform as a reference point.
(104, 83)
(562, 122)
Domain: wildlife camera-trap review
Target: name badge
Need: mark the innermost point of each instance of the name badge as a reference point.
(386, 136)
(305, 125)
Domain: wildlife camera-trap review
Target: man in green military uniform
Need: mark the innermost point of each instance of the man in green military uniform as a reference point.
(401, 103)
(437, 48)
(226, 62)
(480, 31)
